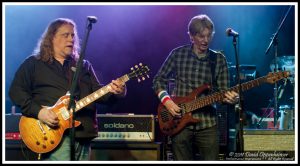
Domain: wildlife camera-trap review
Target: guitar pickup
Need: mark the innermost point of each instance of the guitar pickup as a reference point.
(65, 113)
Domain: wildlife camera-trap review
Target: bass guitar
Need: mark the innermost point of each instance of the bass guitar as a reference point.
(170, 125)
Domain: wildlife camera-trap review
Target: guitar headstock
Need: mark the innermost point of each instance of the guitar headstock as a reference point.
(274, 77)
(140, 72)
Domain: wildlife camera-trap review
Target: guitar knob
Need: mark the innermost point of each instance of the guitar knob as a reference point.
(44, 146)
(37, 143)
(45, 138)
(52, 142)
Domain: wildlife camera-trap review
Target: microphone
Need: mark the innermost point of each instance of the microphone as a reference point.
(92, 19)
(231, 32)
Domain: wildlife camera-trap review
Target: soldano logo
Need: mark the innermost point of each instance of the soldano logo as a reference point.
(119, 125)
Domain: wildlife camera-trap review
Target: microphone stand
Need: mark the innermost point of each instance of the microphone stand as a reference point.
(238, 107)
(274, 42)
(72, 104)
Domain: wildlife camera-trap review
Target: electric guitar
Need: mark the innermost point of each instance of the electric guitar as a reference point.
(170, 125)
(40, 138)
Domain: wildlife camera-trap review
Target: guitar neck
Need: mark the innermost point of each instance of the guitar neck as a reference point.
(97, 94)
(219, 96)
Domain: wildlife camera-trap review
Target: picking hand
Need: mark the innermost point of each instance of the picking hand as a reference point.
(172, 108)
(47, 116)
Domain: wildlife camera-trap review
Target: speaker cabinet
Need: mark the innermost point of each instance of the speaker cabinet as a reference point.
(15, 150)
(126, 151)
(269, 140)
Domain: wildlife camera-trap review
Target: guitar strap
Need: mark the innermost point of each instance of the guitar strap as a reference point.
(72, 70)
(212, 62)
(70, 75)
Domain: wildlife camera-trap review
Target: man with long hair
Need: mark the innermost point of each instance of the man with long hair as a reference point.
(46, 75)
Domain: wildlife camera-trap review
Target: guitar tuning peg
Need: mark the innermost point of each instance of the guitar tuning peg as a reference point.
(131, 68)
(143, 78)
(141, 64)
(136, 66)
(139, 80)
(148, 76)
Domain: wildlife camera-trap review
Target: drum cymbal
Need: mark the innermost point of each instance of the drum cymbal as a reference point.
(286, 63)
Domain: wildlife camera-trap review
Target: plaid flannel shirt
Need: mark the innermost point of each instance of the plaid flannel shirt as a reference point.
(191, 72)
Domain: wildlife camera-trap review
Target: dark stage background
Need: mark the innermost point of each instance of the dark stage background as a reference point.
(126, 35)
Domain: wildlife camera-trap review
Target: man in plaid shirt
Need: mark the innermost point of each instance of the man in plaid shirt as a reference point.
(191, 67)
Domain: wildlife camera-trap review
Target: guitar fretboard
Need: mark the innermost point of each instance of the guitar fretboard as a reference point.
(219, 96)
(97, 94)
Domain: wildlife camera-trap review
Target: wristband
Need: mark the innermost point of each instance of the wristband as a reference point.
(165, 99)
(163, 96)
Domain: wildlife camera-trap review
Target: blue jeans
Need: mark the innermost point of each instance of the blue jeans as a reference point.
(188, 143)
(63, 151)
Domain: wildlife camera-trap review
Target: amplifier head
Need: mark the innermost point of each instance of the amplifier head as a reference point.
(129, 127)
(12, 126)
